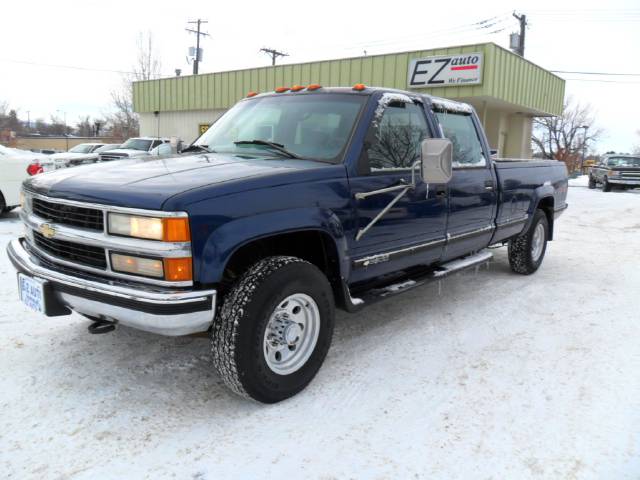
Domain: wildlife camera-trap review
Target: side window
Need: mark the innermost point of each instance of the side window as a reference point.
(155, 144)
(397, 137)
(467, 149)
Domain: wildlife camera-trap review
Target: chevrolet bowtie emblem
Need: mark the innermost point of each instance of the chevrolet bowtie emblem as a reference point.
(47, 230)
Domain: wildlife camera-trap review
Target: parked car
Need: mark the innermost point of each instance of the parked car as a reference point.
(15, 166)
(290, 205)
(622, 171)
(134, 147)
(81, 154)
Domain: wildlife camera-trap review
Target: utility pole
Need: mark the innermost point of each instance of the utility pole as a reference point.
(584, 146)
(198, 35)
(273, 54)
(523, 24)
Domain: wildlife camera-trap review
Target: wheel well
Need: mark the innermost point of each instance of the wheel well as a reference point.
(546, 205)
(314, 246)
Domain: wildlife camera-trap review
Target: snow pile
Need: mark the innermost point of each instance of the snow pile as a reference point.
(581, 181)
(501, 376)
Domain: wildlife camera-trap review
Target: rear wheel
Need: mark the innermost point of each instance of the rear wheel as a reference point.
(606, 186)
(527, 250)
(274, 329)
(592, 182)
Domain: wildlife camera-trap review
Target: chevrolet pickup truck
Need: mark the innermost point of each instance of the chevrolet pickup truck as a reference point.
(293, 203)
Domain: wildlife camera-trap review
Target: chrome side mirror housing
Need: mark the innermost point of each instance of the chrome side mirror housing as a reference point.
(437, 160)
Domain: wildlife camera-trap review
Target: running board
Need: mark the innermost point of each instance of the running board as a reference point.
(411, 281)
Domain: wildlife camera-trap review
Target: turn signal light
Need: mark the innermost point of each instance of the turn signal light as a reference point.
(359, 87)
(178, 269)
(297, 88)
(313, 86)
(281, 89)
(251, 94)
(176, 230)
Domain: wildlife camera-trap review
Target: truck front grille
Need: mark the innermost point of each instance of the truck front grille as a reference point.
(106, 157)
(69, 214)
(73, 252)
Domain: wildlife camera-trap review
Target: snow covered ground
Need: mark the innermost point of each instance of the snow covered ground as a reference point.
(500, 376)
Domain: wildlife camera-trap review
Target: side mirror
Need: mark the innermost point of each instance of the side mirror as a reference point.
(437, 159)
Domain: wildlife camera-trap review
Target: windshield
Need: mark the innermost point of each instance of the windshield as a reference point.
(105, 148)
(623, 162)
(82, 148)
(137, 144)
(314, 126)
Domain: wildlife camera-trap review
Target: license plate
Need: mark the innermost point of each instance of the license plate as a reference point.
(31, 292)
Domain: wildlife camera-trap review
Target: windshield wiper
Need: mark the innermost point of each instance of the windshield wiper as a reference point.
(197, 148)
(273, 145)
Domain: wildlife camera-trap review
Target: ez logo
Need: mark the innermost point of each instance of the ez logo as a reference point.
(447, 70)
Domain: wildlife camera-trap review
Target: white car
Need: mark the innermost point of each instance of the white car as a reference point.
(134, 147)
(81, 154)
(15, 166)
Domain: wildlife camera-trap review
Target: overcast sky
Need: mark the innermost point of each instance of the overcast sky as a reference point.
(97, 35)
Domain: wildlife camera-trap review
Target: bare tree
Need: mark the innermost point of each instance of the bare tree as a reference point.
(84, 127)
(564, 137)
(124, 121)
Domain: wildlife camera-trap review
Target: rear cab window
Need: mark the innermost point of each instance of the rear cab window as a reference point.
(460, 129)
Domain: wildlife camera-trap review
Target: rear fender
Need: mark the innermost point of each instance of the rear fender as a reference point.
(542, 198)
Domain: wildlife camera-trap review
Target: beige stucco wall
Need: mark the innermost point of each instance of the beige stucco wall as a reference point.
(183, 125)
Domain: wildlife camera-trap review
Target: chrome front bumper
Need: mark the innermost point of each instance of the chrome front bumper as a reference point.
(624, 181)
(153, 309)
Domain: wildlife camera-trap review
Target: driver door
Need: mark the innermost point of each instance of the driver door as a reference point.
(416, 221)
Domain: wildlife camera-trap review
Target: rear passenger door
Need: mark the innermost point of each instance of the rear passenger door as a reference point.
(472, 189)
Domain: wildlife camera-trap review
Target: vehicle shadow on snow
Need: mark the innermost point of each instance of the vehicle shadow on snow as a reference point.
(177, 372)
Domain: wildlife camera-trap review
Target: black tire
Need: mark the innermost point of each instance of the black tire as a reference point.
(238, 332)
(592, 182)
(521, 258)
(606, 186)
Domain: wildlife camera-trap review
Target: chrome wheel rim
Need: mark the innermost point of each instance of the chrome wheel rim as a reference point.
(291, 334)
(537, 242)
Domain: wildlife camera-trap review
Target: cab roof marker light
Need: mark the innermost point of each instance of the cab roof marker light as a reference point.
(359, 87)
(252, 94)
(297, 88)
(313, 86)
(282, 89)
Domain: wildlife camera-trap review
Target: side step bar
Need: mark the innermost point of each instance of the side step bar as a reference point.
(416, 279)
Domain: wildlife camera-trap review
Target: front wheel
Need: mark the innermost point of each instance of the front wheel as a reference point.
(527, 250)
(592, 182)
(274, 329)
(606, 186)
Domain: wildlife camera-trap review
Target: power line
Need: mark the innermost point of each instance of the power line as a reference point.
(70, 67)
(597, 80)
(597, 73)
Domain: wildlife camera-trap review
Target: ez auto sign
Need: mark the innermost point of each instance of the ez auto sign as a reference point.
(446, 71)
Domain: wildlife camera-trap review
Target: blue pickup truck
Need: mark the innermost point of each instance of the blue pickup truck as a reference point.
(293, 203)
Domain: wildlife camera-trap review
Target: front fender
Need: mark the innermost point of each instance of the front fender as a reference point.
(229, 237)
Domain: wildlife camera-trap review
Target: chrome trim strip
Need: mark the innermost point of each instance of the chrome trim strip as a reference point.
(148, 295)
(470, 233)
(109, 208)
(384, 257)
(100, 239)
(512, 221)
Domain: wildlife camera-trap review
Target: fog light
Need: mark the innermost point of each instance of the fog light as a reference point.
(146, 267)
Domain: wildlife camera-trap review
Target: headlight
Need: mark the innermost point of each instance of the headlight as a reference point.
(25, 202)
(171, 229)
(613, 173)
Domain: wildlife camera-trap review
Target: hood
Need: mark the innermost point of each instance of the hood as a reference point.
(148, 182)
(130, 152)
(72, 155)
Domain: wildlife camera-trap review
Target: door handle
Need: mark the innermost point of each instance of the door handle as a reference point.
(488, 185)
(441, 192)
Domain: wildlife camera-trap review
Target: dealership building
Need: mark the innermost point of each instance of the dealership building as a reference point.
(506, 90)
